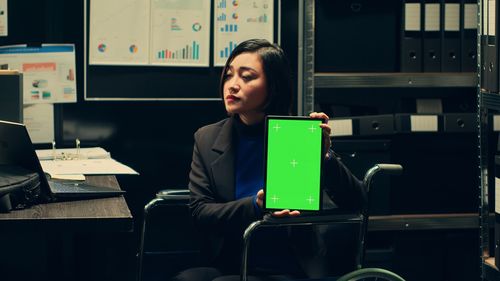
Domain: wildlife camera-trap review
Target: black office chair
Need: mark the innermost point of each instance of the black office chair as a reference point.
(169, 241)
(167, 248)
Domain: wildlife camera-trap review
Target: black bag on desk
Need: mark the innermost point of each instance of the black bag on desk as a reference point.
(19, 188)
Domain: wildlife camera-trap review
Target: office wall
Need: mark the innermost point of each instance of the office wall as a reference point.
(155, 137)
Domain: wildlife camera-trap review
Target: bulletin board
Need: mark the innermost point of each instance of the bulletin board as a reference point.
(189, 76)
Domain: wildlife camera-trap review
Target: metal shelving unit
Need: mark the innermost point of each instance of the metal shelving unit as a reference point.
(424, 222)
(308, 81)
(395, 80)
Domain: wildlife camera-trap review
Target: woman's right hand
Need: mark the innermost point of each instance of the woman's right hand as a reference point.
(283, 213)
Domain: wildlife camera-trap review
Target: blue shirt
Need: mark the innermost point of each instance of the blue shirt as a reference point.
(249, 172)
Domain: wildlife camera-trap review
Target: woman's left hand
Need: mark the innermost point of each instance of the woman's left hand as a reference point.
(325, 128)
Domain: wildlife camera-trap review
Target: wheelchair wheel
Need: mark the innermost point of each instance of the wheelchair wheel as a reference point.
(371, 274)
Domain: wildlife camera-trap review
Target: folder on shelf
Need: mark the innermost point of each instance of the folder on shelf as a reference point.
(460, 122)
(469, 35)
(411, 36)
(376, 125)
(432, 36)
(491, 63)
(418, 123)
(362, 125)
(341, 127)
(451, 55)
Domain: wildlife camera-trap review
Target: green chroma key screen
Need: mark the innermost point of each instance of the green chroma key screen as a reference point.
(293, 163)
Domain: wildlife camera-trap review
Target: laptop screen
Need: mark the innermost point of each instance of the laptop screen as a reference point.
(16, 149)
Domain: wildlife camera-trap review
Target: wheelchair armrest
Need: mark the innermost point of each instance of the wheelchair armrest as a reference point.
(168, 197)
(167, 193)
(390, 169)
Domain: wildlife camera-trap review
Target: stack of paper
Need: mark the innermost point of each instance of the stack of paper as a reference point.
(67, 153)
(74, 163)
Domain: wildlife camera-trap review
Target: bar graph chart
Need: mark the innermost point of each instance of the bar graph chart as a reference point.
(221, 17)
(236, 21)
(261, 19)
(221, 4)
(188, 52)
(229, 28)
(226, 51)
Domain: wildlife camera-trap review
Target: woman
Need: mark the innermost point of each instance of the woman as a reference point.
(226, 175)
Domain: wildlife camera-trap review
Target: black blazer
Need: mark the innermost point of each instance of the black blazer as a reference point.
(212, 190)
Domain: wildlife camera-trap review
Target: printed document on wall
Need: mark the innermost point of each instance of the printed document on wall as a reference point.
(48, 71)
(39, 120)
(237, 21)
(180, 32)
(4, 28)
(119, 32)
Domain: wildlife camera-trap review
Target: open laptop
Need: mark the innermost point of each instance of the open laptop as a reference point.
(16, 148)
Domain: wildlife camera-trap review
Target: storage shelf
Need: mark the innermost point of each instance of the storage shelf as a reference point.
(424, 222)
(395, 80)
(491, 101)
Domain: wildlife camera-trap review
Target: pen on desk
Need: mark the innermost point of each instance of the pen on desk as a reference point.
(77, 148)
(53, 150)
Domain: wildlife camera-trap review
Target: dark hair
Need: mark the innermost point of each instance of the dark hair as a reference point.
(277, 72)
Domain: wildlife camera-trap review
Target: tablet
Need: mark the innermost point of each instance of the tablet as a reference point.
(292, 163)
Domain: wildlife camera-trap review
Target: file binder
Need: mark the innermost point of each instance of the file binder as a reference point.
(469, 35)
(491, 63)
(411, 36)
(362, 125)
(460, 122)
(432, 36)
(376, 125)
(419, 123)
(451, 55)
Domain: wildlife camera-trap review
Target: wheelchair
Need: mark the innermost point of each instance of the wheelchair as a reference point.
(167, 248)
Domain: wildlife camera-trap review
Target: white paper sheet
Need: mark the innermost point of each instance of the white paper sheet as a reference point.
(86, 167)
(82, 153)
(4, 27)
(39, 121)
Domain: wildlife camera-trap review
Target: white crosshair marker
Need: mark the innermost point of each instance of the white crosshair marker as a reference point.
(310, 199)
(294, 163)
(274, 198)
(277, 127)
(313, 128)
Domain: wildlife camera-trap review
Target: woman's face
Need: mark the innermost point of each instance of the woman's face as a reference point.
(245, 88)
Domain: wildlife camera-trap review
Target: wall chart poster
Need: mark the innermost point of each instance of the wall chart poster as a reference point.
(119, 32)
(236, 21)
(180, 32)
(49, 74)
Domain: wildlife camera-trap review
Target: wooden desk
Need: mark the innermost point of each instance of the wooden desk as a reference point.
(72, 240)
(104, 214)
